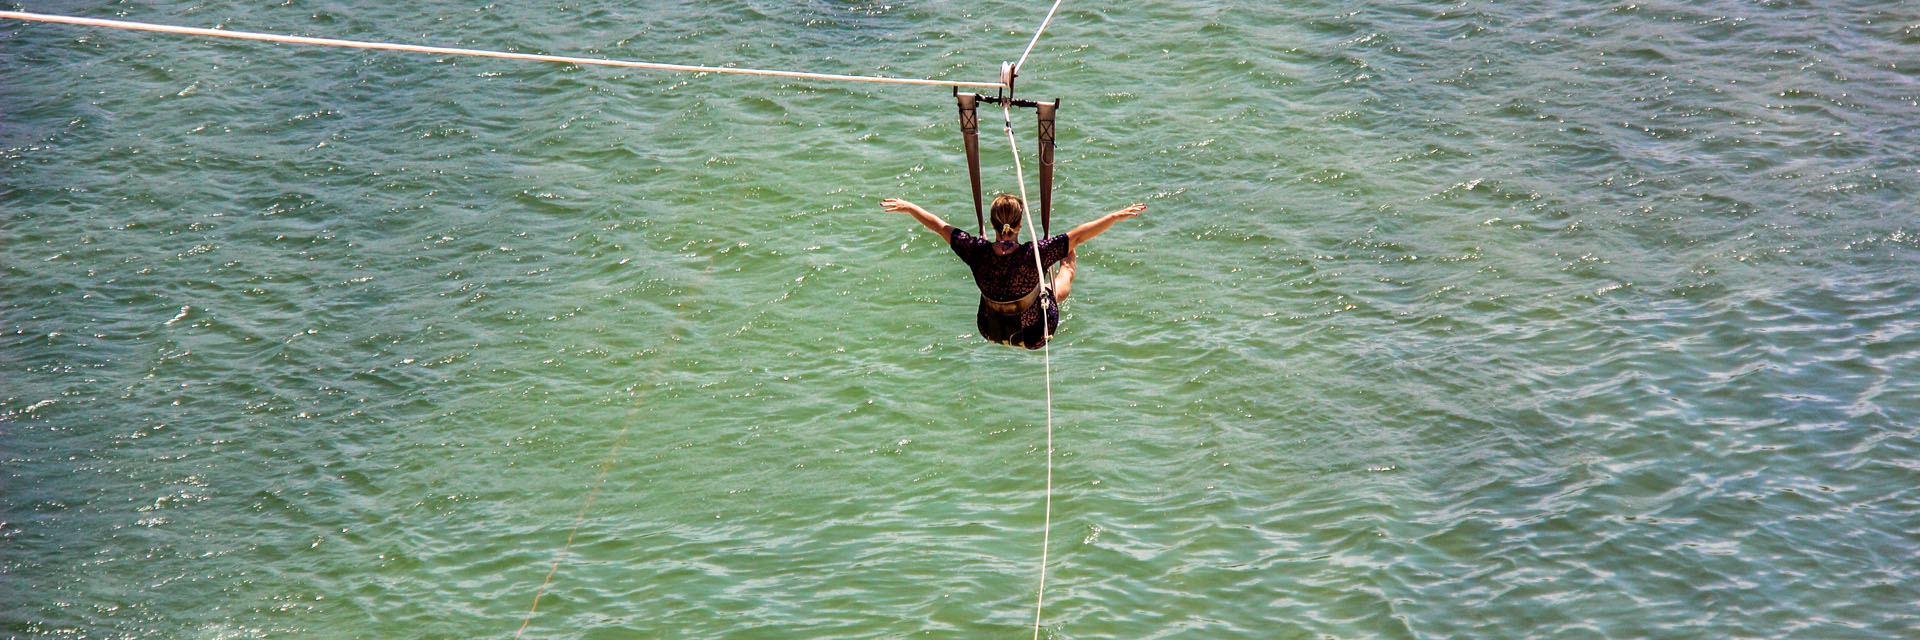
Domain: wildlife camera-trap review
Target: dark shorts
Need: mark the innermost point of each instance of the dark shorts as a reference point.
(1020, 331)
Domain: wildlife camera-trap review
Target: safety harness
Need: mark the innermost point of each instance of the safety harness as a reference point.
(970, 132)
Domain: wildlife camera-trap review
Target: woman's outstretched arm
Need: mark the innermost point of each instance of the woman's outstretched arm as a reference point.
(932, 222)
(1087, 231)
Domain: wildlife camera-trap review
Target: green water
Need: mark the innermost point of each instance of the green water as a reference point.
(1475, 320)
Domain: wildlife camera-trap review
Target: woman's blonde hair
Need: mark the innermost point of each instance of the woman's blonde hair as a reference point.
(1007, 209)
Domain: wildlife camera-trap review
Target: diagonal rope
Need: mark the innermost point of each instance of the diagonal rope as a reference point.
(1046, 347)
(482, 53)
(577, 519)
(598, 481)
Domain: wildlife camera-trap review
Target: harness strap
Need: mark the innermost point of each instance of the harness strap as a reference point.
(1045, 111)
(970, 130)
(1013, 307)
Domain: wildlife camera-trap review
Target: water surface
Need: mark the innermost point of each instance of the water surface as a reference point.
(1518, 319)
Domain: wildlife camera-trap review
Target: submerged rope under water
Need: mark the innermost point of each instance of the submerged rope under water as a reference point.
(577, 519)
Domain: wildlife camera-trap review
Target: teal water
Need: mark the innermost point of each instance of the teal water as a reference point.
(1530, 319)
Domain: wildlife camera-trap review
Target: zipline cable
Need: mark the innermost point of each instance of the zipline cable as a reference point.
(1036, 35)
(482, 53)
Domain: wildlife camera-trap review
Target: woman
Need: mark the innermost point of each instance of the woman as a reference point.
(1015, 309)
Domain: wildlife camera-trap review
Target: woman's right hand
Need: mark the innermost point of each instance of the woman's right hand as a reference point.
(1131, 211)
(896, 205)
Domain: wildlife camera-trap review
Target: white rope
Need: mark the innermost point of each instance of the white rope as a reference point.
(1036, 35)
(387, 46)
(1006, 114)
(1046, 348)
